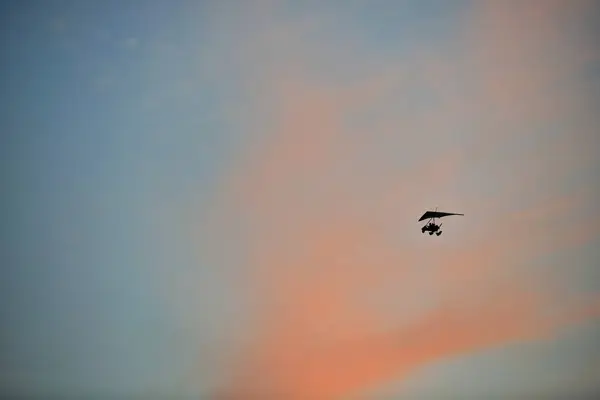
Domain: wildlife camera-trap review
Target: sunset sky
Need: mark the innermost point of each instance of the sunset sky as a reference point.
(219, 199)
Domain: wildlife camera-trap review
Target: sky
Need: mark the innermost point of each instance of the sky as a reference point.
(219, 199)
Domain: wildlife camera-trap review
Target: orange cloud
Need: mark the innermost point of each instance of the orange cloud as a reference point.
(320, 202)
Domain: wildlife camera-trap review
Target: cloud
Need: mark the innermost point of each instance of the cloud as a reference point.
(130, 43)
(338, 168)
(58, 25)
(103, 83)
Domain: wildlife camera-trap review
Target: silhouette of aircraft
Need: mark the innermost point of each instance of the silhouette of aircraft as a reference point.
(431, 226)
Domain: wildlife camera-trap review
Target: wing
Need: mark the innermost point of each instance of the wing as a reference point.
(436, 214)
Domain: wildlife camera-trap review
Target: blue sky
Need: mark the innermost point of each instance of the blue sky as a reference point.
(94, 148)
(148, 149)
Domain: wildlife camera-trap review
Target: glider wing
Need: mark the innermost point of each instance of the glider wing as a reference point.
(436, 214)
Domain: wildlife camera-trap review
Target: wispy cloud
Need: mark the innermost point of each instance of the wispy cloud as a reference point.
(58, 25)
(130, 43)
(337, 165)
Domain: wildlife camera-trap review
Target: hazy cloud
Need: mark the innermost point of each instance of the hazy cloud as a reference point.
(325, 197)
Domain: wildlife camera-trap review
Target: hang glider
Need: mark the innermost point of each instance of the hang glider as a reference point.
(431, 226)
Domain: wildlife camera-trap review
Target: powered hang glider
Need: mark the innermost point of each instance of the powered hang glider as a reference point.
(431, 226)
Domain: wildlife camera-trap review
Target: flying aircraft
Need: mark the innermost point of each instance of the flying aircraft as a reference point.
(431, 226)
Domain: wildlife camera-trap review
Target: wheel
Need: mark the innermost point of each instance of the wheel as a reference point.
(430, 233)
(438, 233)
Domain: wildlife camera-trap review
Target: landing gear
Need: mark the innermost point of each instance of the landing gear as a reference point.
(432, 228)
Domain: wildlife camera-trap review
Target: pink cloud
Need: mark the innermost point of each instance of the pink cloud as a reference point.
(322, 201)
